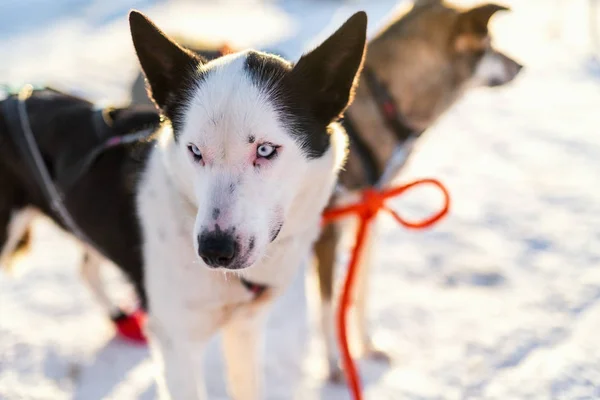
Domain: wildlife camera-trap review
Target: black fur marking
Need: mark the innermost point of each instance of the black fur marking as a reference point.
(251, 244)
(215, 213)
(231, 188)
(317, 90)
(251, 139)
(275, 232)
(330, 71)
(171, 71)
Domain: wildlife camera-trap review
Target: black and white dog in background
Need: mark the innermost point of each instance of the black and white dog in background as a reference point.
(101, 200)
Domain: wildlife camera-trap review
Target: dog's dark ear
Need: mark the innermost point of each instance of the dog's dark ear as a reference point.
(166, 65)
(475, 20)
(330, 71)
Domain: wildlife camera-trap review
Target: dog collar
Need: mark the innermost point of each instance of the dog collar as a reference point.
(364, 152)
(257, 289)
(388, 107)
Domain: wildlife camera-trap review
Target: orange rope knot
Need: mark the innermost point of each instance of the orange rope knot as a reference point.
(372, 202)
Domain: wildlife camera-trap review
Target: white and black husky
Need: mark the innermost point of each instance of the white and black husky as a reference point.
(230, 198)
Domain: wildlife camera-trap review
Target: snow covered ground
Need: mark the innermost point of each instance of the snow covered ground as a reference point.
(499, 301)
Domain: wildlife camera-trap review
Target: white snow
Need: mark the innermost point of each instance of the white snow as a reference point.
(499, 301)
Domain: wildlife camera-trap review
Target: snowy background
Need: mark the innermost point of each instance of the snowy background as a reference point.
(499, 301)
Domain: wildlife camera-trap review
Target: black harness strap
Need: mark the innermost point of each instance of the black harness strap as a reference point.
(73, 174)
(394, 121)
(365, 154)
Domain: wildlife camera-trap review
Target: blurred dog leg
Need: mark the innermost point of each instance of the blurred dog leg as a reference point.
(15, 239)
(90, 271)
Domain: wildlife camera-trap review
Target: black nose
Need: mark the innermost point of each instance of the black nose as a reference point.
(217, 249)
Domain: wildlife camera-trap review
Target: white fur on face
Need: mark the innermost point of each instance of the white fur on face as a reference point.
(228, 117)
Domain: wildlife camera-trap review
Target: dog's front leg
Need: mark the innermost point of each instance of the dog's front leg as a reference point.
(365, 264)
(179, 361)
(243, 350)
(325, 253)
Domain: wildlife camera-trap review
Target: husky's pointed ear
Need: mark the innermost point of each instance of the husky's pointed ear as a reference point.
(166, 65)
(475, 20)
(330, 71)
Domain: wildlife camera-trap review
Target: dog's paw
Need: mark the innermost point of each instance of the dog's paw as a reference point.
(370, 351)
(375, 354)
(336, 375)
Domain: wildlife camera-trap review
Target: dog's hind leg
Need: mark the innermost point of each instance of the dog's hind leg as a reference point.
(325, 253)
(4, 237)
(90, 271)
(364, 272)
(15, 237)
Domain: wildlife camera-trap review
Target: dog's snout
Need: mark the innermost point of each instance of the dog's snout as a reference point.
(511, 66)
(514, 68)
(519, 67)
(217, 249)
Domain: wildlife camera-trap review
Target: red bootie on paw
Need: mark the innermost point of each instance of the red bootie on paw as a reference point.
(131, 326)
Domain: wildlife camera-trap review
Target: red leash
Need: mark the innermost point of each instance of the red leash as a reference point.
(373, 201)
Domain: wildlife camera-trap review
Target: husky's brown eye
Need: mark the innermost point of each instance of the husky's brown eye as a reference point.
(195, 152)
(266, 150)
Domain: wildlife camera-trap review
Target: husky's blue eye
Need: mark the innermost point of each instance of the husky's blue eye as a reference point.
(266, 150)
(195, 152)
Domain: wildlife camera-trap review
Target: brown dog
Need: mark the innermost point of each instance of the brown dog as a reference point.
(415, 69)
